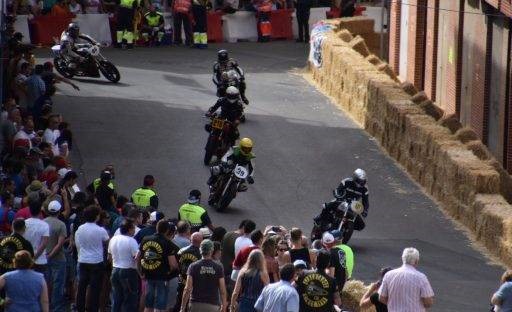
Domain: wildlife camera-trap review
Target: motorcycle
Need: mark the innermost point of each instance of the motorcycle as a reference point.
(338, 214)
(219, 139)
(230, 78)
(224, 190)
(92, 66)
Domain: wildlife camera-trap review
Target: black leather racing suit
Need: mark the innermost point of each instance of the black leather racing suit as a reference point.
(349, 190)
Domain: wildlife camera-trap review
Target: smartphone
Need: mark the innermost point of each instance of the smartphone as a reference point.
(276, 229)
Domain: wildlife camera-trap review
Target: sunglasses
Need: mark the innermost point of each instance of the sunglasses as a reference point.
(282, 249)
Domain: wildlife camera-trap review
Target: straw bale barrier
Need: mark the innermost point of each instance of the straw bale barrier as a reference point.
(352, 293)
(445, 158)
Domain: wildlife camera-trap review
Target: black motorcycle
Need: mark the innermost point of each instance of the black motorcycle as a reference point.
(93, 64)
(230, 78)
(338, 214)
(220, 138)
(229, 183)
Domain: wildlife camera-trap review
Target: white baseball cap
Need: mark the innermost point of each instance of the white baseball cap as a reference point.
(327, 239)
(54, 206)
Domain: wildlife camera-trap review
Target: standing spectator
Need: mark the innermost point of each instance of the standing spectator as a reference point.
(250, 282)
(303, 7)
(182, 237)
(317, 290)
(90, 239)
(125, 281)
(8, 130)
(192, 212)
(347, 8)
(503, 297)
(60, 9)
(228, 252)
(243, 255)
(51, 133)
(56, 257)
(50, 77)
(7, 214)
(75, 7)
(280, 296)
(135, 216)
(104, 194)
(245, 239)
(282, 248)
(146, 196)
(187, 256)
(269, 251)
(406, 288)
(35, 87)
(124, 213)
(181, 10)
(92, 6)
(199, 11)
(371, 297)
(37, 233)
(205, 282)
(297, 251)
(150, 229)
(157, 263)
(13, 243)
(26, 289)
(20, 86)
(337, 267)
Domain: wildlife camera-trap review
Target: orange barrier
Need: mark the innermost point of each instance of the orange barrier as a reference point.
(335, 12)
(46, 27)
(281, 21)
(214, 28)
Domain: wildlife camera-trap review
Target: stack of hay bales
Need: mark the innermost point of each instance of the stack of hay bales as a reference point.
(352, 293)
(448, 161)
(362, 26)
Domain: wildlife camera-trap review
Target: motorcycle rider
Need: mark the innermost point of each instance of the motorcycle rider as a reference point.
(354, 188)
(231, 109)
(71, 49)
(238, 155)
(225, 63)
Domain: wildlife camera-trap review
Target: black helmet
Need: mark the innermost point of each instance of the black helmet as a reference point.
(222, 56)
(73, 30)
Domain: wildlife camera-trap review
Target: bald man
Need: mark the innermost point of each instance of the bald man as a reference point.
(187, 256)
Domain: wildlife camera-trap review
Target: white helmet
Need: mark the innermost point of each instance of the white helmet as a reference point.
(359, 176)
(232, 94)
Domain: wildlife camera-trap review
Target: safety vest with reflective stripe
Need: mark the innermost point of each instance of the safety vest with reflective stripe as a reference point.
(349, 258)
(153, 20)
(127, 3)
(192, 214)
(182, 6)
(142, 197)
(97, 181)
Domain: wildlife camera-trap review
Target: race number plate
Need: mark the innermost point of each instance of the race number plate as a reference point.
(241, 172)
(217, 123)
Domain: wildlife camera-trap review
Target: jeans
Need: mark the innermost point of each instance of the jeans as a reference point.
(156, 294)
(125, 290)
(57, 278)
(90, 275)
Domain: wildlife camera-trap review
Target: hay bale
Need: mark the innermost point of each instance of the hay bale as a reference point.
(359, 45)
(419, 97)
(431, 109)
(466, 134)
(345, 35)
(451, 122)
(409, 88)
(351, 295)
(479, 149)
(373, 59)
(385, 68)
(357, 24)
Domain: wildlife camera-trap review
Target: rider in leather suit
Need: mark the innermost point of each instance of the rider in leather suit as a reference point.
(70, 47)
(223, 64)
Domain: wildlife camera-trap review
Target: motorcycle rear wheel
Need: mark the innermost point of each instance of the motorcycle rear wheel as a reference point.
(62, 67)
(110, 71)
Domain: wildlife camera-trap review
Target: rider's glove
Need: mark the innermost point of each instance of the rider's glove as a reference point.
(364, 214)
(250, 180)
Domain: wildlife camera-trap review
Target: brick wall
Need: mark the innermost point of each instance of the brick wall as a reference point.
(431, 38)
(416, 42)
(394, 34)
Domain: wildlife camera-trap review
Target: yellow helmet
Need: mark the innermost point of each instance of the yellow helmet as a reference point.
(245, 146)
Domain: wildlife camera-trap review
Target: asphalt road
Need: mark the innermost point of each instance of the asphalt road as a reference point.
(151, 123)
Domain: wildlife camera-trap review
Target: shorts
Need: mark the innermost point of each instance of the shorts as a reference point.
(156, 294)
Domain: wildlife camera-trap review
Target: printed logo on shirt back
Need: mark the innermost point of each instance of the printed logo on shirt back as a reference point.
(316, 292)
(152, 255)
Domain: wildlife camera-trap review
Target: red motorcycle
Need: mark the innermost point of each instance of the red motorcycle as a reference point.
(221, 138)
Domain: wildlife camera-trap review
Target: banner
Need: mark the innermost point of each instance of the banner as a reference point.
(317, 36)
(95, 25)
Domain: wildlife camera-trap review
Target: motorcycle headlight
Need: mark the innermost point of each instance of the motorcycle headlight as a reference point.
(357, 207)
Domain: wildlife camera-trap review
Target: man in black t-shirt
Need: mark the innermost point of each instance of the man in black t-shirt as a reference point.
(317, 290)
(158, 265)
(13, 243)
(187, 256)
(337, 267)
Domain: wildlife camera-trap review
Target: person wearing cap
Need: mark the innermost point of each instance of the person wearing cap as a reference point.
(187, 256)
(205, 282)
(300, 266)
(154, 217)
(349, 254)
(317, 290)
(337, 266)
(157, 263)
(146, 196)
(192, 212)
(56, 257)
(105, 195)
(123, 249)
(91, 188)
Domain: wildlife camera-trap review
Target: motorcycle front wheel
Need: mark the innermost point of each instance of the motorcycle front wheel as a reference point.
(227, 198)
(110, 71)
(62, 67)
(347, 229)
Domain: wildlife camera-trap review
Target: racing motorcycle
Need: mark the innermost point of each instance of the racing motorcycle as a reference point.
(230, 78)
(219, 139)
(229, 183)
(338, 214)
(92, 66)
